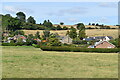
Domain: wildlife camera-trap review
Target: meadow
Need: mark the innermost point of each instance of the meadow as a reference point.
(89, 32)
(30, 62)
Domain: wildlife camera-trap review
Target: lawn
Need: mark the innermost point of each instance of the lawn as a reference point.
(29, 62)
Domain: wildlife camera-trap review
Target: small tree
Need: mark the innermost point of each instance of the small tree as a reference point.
(59, 27)
(61, 23)
(89, 24)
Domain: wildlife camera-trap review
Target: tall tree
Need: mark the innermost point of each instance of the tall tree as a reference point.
(81, 34)
(31, 20)
(72, 33)
(21, 16)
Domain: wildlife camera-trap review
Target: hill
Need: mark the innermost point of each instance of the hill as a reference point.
(89, 32)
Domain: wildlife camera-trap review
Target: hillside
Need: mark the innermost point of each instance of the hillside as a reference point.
(89, 32)
(86, 26)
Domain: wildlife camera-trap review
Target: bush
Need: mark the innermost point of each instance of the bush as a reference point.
(77, 49)
(35, 45)
(9, 44)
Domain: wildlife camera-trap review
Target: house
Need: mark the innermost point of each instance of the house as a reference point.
(98, 38)
(16, 37)
(102, 44)
(65, 39)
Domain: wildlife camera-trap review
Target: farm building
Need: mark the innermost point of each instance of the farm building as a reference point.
(102, 44)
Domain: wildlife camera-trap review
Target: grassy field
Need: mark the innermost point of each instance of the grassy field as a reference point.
(90, 32)
(29, 62)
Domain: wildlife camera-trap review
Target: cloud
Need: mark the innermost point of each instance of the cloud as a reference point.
(73, 11)
(108, 5)
(14, 9)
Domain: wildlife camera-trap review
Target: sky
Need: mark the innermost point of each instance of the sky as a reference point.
(68, 12)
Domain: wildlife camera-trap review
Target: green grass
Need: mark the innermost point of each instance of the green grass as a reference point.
(29, 62)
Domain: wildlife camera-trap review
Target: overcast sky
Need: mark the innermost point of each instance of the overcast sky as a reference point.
(67, 12)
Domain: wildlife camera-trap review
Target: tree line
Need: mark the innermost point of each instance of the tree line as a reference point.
(20, 22)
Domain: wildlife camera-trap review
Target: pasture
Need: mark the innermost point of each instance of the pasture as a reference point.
(30, 62)
(89, 33)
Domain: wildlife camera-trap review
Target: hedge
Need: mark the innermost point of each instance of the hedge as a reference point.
(9, 44)
(77, 49)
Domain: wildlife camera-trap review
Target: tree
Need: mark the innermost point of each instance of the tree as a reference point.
(37, 35)
(93, 24)
(65, 28)
(81, 34)
(48, 24)
(97, 24)
(14, 24)
(72, 33)
(46, 34)
(61, 23)
(89, 24)
(54, 42)
(21, 16)
(80, 26)
(31, 20)
(58, 27)
(18, 32)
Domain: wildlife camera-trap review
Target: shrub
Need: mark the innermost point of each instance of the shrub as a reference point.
(9, 44)
(35, 45)
(78, 49)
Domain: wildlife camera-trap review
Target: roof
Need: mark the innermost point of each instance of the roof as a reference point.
(97, 38)
(98, 43)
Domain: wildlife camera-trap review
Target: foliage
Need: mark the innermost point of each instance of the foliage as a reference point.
(54, 42)
(65, 28)
(73, 33)
(77, 49)
(46, 34)
(58, 27)
(81, 34)
(80, 26)
(48, 24)
(21, 16)
(31, 20)
(18, 32)
(61, 23)
(37, 35)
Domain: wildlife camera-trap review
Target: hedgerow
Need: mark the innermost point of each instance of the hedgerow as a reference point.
(77, 49)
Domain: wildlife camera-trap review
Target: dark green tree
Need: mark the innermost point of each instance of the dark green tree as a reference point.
(72, 33)
(80, 26)
(81, 34)
(58, 27)
(21, 16)
(48, 24)
(61, 23)
(31, 20)
(14, 24)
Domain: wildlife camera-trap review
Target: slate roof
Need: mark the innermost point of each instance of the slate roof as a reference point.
(97, 38)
